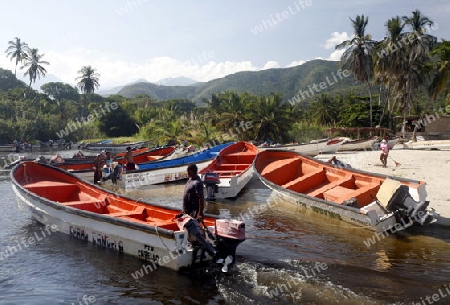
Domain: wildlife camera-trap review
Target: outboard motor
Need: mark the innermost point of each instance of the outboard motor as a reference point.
(211, 180)
(402, 203)
(221, 246)
(229, 234)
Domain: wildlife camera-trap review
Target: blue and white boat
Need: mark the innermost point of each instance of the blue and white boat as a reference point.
(156, 172)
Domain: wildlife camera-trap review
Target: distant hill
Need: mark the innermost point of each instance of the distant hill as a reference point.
(316, 76)
(115, 90)
(176, 81)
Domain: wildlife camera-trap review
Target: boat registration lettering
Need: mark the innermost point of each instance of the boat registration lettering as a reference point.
(148, 254)
(326, 212)
(175, 176)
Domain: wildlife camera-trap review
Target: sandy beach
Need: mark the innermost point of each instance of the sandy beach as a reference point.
(431, 166)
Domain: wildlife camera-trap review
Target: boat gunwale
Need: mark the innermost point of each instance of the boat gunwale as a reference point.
(96, 216)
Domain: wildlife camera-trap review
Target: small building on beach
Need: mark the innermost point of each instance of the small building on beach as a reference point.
(430, 126)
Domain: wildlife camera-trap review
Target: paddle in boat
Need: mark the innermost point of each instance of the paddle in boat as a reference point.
(373, 201)
(230, 171)
(156, 234)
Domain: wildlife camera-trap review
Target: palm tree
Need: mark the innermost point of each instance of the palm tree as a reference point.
(272, 119)
(358, 55)
(420, 44)
(33, 63)
(17, 49)
(89, 80)
(388, 59)
(441, 78)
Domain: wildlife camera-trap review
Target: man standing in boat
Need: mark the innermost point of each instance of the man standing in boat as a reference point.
(129, 159)
(193, 198)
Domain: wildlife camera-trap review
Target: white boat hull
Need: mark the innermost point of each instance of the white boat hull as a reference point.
(433, 144)
(158, 248)
(309, 149)
(231, 187)
(366, 145)
(141, 179)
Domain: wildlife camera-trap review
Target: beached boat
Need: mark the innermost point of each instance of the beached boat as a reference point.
(156, 172)
(69, 205)
(230, 171)
(312, 149)
(391, 142)
(145, 154)
(428, 145)
(373, 201)
(355, 145)
(108, 146)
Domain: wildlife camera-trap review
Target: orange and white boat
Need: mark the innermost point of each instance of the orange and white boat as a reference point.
(230, 171)
(145, 155)
(374, 201)
(152, 233)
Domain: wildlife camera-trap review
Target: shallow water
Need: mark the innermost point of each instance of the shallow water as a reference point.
(290, 256)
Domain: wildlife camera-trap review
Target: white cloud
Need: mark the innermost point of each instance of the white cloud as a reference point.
(270, 65)
(336, 55)
(296, 63)
(335, 39)
(117, 71)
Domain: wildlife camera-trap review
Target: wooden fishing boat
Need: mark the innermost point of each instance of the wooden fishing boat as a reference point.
(428, 145)
(230, 171)
(84, 166)
(391, 142)
(156, 172)
(108, 146)
(145, 154)
(310, 149)
(373, 201)
(153, 233)
(355, 145)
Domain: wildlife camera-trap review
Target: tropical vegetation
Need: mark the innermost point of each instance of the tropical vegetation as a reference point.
(407, 72)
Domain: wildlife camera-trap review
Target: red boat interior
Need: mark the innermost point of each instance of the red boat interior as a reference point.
(70, 191)
(233, 160)
(309, 177)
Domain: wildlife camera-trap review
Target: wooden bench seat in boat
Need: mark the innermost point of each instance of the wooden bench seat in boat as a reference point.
(281, 171)
(363, 194)
(137, 211)
(319, 192)
(305, 182)
(52, 190)
(240, 157)
(233, 165)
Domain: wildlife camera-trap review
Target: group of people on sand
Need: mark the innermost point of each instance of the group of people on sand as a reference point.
(103, 162)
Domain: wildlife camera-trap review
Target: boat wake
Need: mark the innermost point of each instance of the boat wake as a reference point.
(284, 282)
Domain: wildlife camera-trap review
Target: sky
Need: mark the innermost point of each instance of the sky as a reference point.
(129, 40)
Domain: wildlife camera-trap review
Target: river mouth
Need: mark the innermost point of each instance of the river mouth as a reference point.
(291, 255)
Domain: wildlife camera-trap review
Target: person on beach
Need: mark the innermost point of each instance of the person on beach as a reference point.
(384, 146)
(98, 167)
(193, 197)
(338, 163)
(129, 159)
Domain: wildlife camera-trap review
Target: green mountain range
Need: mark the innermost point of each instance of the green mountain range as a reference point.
(295, 84)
